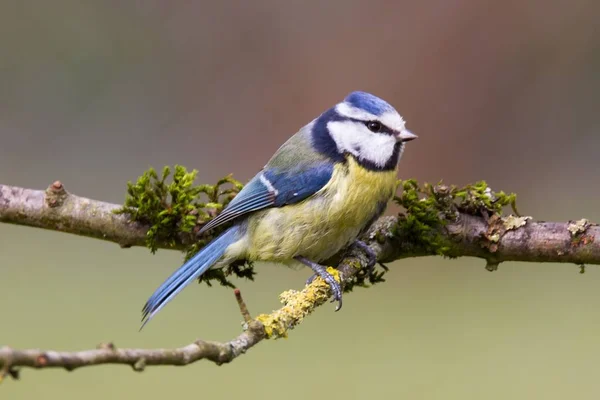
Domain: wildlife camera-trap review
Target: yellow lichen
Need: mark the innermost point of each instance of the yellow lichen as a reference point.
(578, 227)
(512, 222)
(297, 305)
(494, 238)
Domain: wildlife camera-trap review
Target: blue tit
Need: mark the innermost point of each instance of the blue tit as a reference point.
(317, 194)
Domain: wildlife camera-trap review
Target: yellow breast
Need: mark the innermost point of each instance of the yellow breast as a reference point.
(320, 226)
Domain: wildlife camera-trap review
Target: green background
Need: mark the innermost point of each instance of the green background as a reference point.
(93, 93)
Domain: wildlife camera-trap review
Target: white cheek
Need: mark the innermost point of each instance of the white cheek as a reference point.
(359, 141)
(378, 149)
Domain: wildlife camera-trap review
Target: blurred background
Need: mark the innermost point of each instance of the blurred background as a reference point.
(93, 93)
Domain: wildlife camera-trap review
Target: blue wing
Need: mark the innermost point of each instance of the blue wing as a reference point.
(274, 187)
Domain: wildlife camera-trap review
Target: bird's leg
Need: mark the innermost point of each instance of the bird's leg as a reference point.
(327, 277)
(372, 257)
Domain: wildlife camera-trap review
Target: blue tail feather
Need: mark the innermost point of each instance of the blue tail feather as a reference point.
(188, 272)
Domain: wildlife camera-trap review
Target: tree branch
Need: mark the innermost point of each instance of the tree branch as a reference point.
(56, 209)
(495, 239)
(138, 359)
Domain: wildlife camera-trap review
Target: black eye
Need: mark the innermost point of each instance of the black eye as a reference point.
(374, 126)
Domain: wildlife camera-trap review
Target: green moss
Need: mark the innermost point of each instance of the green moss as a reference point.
(167, 207)
(428, 208)
(365, 279)
(479, 199)
(176, 209)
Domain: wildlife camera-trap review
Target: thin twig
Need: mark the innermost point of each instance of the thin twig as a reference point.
(242, 305)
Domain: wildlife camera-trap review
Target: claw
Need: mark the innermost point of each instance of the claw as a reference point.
(370, 255)
(321, 271)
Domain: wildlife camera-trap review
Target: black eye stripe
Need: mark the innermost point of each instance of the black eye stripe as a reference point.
(384, 128)
(387, 130)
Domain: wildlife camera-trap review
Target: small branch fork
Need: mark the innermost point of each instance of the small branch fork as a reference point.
(107, 353)
(496, 241)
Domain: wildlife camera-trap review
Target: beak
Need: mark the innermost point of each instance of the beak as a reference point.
(406, 136)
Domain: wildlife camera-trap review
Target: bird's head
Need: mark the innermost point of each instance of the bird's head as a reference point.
(364, 126)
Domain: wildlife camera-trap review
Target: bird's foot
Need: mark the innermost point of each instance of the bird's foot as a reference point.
(371, 256)
(321, 271)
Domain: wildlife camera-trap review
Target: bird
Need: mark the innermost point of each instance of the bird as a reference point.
(316, 196)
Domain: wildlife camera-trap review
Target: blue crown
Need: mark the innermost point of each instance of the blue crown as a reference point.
(368, 102)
